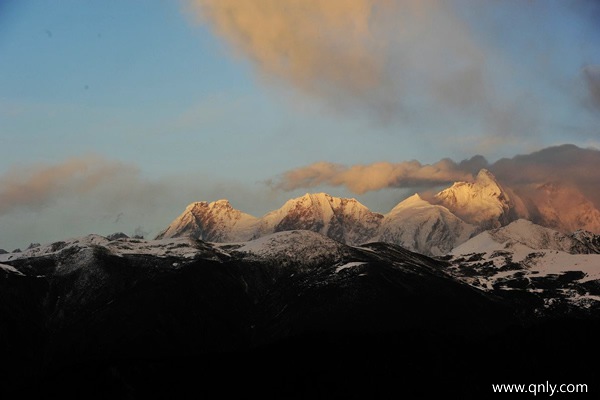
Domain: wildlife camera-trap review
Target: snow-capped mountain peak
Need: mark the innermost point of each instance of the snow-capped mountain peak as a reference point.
(483, 202)
(413, 201)
(421, 226)
(430, 226)
(222, 203)
(345, 220)
(216, 221)
(486, 178)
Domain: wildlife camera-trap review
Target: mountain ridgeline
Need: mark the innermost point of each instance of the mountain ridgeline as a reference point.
(318, 299)
(431, 227)
(296, 314)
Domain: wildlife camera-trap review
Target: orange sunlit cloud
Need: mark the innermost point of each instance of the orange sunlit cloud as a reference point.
(566, 163)
(364, 178)
(357, 54)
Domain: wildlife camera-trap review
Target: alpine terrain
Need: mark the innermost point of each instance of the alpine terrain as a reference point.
(431, 227)
(321, 298)
(298, 314)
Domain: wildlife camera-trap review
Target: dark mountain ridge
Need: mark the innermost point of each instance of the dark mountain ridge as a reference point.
(294, 314)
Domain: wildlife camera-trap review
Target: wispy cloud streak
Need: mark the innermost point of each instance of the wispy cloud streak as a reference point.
(36, 186)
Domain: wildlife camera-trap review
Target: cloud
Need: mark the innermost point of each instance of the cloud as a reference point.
(566, 163)
(35, 187)
(319, 46)
(591, 74)
(356, 54)
(93, 194)
(364, 178)
(556, 186)
(111, 189)
(433, 66)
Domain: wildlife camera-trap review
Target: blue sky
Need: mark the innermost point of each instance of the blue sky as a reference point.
(173, 93)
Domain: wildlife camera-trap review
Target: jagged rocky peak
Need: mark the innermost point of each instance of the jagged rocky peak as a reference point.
(486, 178)
(430, 226)
(345, 220)
(312, 200)
(324, 200)
(319, 205)
(196, 205)
(316, 197)
(414, 223)
(483, 187)
(483, 202)
(217, 221)
(200, 206)
(221, 204)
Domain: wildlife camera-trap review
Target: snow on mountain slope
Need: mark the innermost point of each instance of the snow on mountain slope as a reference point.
(10, 269)
(184, 247)
(522, 233)
(423, 227)
(38, 251)
(284, 248)
(345, 220)
(521, 256)
(484, 202)
(116, 302)
(534, 271)
(432, 228)
(216, 222)
(292, 247)
(414, 223)
(527, 256)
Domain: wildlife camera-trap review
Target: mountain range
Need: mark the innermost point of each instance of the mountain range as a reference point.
(296, 314)
(431, 226)
(321, 298)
